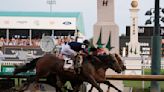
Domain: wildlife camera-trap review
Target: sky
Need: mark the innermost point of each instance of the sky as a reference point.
(88, 9)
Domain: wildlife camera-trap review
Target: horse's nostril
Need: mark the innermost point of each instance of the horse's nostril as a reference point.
(124, 67)
(119, 71)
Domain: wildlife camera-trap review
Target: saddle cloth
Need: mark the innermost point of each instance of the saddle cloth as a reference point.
(68, 64)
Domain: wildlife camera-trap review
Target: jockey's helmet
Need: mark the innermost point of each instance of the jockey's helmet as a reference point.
(93, 49)
(86, 42)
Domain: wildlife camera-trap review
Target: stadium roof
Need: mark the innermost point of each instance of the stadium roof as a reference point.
(76, 15)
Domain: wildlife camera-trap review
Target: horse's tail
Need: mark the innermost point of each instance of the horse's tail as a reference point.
(28, 66)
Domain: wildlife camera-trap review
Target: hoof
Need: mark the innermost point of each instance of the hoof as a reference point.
(101, 91)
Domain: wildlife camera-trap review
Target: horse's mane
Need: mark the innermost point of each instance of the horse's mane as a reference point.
(97, 61)
(28, 66)
(103, 58)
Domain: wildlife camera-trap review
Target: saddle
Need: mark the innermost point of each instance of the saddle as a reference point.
(68, 64)
(73, 64)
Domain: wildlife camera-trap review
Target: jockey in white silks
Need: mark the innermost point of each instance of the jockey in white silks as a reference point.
(70, 50)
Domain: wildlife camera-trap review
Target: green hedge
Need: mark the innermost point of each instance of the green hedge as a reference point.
(148, 71)
(137, 85)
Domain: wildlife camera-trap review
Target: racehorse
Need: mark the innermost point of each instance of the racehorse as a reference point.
(107, 82)
(120, 61)
(50, 64)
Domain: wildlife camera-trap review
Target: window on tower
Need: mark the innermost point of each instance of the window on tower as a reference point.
(105, 2)
(134, 26)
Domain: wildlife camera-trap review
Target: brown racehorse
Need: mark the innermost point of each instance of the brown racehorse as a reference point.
(107, 82)
(50, 64)
(120, 61)
(101, 72)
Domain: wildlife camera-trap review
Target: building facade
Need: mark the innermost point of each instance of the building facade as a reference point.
(30, 25)
(144, 38)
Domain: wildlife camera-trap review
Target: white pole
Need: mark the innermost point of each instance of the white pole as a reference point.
(143, 73)
(76, 31)
(7, 36)
(52, 33)
(51, 2)
(30, 36)
(124, 52)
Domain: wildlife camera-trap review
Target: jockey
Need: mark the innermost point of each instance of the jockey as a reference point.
(71, 49)
(93, 51)
(101, 50)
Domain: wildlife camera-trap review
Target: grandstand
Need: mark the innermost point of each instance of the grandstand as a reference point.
(29, 26)
(22, 31)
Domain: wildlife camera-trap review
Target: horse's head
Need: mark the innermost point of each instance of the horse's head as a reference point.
(120, 61)
(17, 70)
(112, 63)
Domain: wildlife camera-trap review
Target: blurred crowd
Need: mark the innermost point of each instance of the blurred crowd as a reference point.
(19, 42)
(34, 42)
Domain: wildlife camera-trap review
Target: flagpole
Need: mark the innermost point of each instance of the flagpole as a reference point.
(76, 31)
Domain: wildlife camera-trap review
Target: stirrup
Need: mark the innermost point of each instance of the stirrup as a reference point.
(68, 65)
(78, 70)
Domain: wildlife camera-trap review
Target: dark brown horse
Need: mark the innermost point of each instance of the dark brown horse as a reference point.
(120, 61)
(107, 82)
(49, 64)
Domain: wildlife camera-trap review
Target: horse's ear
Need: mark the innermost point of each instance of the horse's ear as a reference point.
(116, 55)
(109, 54)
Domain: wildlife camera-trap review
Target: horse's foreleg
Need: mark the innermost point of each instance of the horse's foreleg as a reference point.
(93, 82)
(27, 83)
(59, 84)
(76, 88)
(91, 89)
(111, 85)
(24, 87)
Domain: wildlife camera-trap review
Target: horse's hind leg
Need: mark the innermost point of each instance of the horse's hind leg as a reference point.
(111, 85)
(23, 87)
(91, 89)
(36, 80)
(26, 84)
(93, 82)
(59, 84)
(52, 80)
(77, 87)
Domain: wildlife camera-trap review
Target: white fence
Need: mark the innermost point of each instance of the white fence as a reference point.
(145, 62)
(138, 64)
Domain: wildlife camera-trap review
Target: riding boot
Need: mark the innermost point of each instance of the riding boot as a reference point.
(77, 67)
(77, 70)
(77, 64)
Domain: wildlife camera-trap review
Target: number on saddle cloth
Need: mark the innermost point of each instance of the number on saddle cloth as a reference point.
(83, 46)
(78, 60)
(68, 63)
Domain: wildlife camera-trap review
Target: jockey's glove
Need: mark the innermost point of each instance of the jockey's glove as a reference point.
(75, 54)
